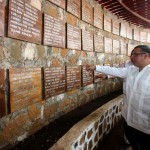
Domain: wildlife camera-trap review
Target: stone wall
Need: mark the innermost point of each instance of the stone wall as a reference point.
(15, 53)
(90, 131)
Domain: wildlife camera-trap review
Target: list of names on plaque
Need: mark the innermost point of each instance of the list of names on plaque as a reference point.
(87, 11)
(108, 45)
(2, 93)
(2, 17)
(60, 3)
(87, 40)
(98, 43)
(107, 23)
(73, 77)
(87, 76)
(98, 18)
(25, 87)
(54, 32)
(55, 81)
(73, 37)
(115, 29)
(123, 30)
(123, 47)
(116, 46)
(73, 6)
(25, 21)
(129, 32)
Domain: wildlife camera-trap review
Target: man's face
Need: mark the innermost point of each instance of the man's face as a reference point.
(137, 57)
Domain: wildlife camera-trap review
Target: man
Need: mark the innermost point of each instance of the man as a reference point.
(136, 110)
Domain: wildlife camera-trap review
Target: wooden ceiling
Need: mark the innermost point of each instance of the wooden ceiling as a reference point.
(133, 11)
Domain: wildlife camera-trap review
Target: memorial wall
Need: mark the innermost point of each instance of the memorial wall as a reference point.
(44, 47)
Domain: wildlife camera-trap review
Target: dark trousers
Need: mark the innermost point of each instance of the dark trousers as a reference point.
(137, 139)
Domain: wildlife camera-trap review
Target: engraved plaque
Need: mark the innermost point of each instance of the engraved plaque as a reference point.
(98, 43)
(115, 29)
(73, 37)
(73, 77)
(87, 76)
(2, 93)
(73, 6)
(143, 36)
(108, 45)
(107, 23)
(98, 17)
(87, 11)
(123, 30)
(129, 32)
(123, 48)
(87, 40)
(25, 87)
(2, 17)
(55, 81)
(54, 32)
(60, 3)
(25, 21)
(116, 46)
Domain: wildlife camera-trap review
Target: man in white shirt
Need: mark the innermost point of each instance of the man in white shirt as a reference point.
(136, 109)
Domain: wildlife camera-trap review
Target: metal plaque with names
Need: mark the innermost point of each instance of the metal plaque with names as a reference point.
(60, 3)
(123, 47)
(87, 76)
(115, 27)
(73, 74)
(73, 37)
(87, 40)
(2, 17)
(73, 6)
(98, 43)
(98, 18)
(129, 32)
(123, 30)
(54, 32)
(108, 45)
(116, 47)
(25, 21)
(107, 23)
(87, 11)
(55, 81)
(25, 87)
(2, 93)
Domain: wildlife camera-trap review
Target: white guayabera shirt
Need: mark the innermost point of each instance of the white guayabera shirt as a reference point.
(136, 109)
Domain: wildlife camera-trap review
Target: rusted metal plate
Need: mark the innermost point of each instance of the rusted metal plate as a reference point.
(60, 3)
(25, 87)
(73, 6)
(87, 76)
(116, 47)
(54, 32)
(87, 11)
(98, 43)
(87, 40)
(25, 22)
(73, 37)
(73, 74)
(55, 81)
(2, 17)
(107, 23)
(108, 45)
(98, 17)
(2, 93)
